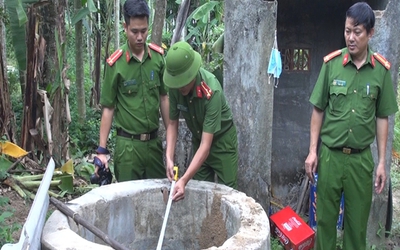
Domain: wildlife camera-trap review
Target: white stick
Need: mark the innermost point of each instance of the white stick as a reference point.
(160, 240)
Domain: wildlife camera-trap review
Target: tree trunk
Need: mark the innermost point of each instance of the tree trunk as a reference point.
(54, 73)
(158, 22)
(80, 86)
(7, 122)
(97, 62)
(89, 48)
(180, 20)
(108, 29)
(116, 23)
(97, 66)
(29, 118)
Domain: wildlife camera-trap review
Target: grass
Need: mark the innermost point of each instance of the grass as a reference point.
(6, 230)
(276, 244)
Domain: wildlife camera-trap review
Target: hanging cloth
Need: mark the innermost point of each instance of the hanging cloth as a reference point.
(275, 64)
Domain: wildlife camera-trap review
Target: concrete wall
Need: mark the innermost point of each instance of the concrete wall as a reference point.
(249, 36)
(386, 28)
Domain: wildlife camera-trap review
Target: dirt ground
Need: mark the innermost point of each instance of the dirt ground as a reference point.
(21, 210)
(18, 206)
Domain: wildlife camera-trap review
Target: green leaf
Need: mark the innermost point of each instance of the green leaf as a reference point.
(82, 13)
(18, 19)
(5, 215)
(91, 6)
(87, 26)
(4, 163)
(21, 15)
(17, 33)
(85, 170)
(67, 184)
(204, 11)
(4, 201)
(62, 193)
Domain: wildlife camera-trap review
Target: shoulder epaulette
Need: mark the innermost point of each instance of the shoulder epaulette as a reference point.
(332, 55)
(382, 60)
(156, 48)
(206, 90)
(114, 57)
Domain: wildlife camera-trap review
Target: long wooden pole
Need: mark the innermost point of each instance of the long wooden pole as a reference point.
(78, 219)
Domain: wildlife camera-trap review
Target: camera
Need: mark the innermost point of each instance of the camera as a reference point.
(105, 176)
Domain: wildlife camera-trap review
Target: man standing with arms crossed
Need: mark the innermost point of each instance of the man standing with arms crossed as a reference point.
(133, 92)
(352, 99)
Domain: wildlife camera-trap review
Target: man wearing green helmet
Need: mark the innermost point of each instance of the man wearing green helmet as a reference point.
(197, 95)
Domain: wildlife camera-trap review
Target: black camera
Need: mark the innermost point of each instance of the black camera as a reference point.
(105, 176)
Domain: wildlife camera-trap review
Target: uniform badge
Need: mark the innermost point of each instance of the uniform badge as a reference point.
(156, 48)
(345, 59)
(206, 90)
(182, 108)
(130, 82)
(382, 60)
(198, 92)
(114, 57)
(332, 55)
(339, 83)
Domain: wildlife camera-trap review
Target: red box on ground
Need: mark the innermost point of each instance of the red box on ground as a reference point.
(292, 231)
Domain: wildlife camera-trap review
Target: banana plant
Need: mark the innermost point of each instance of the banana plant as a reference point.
(17, 12)
(84, 12)
(26, 185)
(205, 26)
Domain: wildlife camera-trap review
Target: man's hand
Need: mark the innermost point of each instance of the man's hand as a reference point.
(170, 169)
(380, 178)
(310, 165)
(179, 190)
(103, 159)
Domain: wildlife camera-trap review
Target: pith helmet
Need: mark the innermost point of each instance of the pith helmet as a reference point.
(181, 65)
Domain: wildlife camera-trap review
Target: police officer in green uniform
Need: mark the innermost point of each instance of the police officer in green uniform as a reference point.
(354, 92)
(133, 92)
(197, 95)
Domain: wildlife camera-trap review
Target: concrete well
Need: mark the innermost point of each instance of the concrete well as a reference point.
(212, 216)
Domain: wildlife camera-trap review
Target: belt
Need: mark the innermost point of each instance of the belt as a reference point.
(349, 151)
(143, 137)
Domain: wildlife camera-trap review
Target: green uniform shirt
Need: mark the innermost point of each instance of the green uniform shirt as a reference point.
(212, 115)
(133, 88)
(352, 99)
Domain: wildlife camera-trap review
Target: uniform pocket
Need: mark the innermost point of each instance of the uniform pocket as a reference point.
(123, 150)
(154, 84)
(130, 87)
(337, 99)
(368, 101)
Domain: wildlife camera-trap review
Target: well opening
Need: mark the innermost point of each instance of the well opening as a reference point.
(211, 216)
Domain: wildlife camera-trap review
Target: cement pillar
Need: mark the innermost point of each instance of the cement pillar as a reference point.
(386, 43)
(249, 37)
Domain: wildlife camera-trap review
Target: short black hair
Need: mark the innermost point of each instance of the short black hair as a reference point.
(363, 14)
(136, 8)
